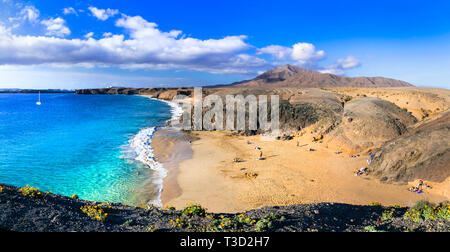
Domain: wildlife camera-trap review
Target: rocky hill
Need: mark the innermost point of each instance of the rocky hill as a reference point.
(54, 213)
(293, 76)
(370, 122)
(423, 153)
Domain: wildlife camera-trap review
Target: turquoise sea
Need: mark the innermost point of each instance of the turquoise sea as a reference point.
(77, 144)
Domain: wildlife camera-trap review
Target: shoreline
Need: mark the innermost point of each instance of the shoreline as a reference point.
(169, 146)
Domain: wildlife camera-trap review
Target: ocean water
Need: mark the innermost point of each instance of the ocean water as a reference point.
(80, 144)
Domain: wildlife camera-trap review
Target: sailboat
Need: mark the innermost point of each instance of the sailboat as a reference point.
(39, 101)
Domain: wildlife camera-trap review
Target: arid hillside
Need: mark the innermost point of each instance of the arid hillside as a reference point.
(370, 122)
(293, 76)
(422, 153)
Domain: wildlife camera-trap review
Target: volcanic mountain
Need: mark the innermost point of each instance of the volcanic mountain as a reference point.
(293, 76)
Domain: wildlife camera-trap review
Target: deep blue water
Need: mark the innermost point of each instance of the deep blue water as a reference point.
(75, 144)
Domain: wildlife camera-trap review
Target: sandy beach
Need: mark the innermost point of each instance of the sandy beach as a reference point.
(201, 168)
(290, 174)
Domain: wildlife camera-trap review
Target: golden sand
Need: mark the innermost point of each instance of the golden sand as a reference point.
(290, 174)
(204, 171)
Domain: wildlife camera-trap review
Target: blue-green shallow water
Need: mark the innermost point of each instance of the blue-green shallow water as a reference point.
(75, 144)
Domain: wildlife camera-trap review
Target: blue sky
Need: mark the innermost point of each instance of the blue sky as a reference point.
(81, 44)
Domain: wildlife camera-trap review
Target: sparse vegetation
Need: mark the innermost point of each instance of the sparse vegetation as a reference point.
(422, 217)
(31, 192)
(193, 210)
(169, 208)
(97, 212)
(151, 228)
(375, 203)
(74, 196)
(128, 223)
(372, 229)
(348, 98)
(143, 206)
(241, 223)
(179, 222)
(424, 210)
(388, 214)
(194, 217)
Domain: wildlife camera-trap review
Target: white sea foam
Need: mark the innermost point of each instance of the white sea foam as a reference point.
(176, 110)
(141, 144)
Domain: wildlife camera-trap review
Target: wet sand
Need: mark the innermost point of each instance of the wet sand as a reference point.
(171, 147)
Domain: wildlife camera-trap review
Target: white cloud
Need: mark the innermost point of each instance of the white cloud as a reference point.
(103, 14)
(279, 52)
(89, 35)
(56, 27)
(70, 10)
(142, 45)
(28, 13)
(349, 62)
(147, 47)
(4, 31)
(341, 65)
(304, 54)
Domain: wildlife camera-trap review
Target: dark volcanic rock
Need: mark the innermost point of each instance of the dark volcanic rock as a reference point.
(55, 213)
(160, 93)
(423, 153)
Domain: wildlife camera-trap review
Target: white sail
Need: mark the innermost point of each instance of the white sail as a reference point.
(39, 101)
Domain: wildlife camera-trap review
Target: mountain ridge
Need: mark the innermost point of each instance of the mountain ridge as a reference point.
(294, 76)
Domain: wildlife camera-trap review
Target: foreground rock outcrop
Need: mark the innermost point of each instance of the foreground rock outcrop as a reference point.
(54, 213)
(423, 153)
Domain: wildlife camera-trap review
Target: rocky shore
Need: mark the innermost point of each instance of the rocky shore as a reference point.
(158, 93)
(53, 213)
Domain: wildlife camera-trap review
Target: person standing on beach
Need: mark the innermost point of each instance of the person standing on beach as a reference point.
(260, 155)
